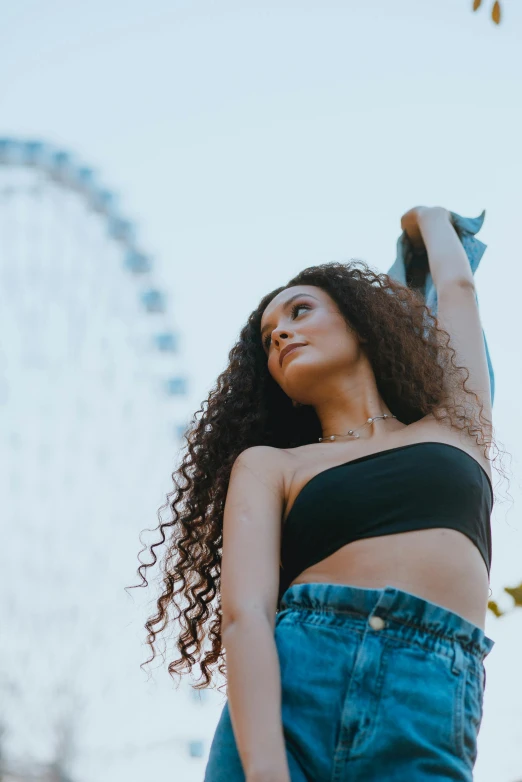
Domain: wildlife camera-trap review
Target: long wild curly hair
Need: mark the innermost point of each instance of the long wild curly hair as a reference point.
(416, 374)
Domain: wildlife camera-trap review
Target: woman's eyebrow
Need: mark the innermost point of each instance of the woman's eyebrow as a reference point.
(285, 305)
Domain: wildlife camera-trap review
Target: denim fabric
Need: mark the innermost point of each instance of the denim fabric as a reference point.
(378, 685)
(406, 262)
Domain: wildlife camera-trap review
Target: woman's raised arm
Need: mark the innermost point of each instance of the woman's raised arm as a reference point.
(458, 311)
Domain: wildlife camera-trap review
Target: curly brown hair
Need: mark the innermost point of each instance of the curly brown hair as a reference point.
(416, 374)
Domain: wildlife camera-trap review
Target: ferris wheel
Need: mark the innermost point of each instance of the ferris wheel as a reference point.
(93, 402)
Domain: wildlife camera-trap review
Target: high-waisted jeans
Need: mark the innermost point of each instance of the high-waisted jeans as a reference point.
(378, 685)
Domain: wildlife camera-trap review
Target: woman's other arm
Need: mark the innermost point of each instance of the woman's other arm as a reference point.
(249, 590)
(458, 312)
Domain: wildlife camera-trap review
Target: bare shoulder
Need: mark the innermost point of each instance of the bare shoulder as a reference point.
(262, 455)
(265, 462)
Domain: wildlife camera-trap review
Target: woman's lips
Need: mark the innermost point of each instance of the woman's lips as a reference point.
(290, 351)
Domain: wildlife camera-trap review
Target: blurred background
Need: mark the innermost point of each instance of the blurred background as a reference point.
(163, 166)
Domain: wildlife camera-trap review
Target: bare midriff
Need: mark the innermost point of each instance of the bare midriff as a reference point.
(440, 565)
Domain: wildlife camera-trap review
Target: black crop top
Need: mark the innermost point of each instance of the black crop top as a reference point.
(410, 487)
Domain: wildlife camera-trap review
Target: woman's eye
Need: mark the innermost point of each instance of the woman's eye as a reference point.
(298, 307)
(294, 312)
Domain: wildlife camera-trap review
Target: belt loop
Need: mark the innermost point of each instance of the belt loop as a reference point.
(458, 659)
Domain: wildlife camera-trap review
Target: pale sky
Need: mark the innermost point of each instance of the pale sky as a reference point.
(250, 140)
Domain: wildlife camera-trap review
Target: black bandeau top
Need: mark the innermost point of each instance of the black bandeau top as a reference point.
(410, 487)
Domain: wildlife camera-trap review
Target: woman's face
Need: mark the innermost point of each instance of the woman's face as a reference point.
(308, 316)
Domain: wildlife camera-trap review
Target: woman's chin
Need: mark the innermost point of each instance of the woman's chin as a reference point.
(298, 377)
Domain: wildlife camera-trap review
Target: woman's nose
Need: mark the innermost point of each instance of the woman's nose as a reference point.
(281, 334)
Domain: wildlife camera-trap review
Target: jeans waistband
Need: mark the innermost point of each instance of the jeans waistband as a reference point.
(400, 609)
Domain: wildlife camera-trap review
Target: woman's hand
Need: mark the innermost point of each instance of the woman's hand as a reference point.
(410, 223)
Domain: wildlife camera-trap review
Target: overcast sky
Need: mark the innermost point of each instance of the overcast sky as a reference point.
(250, 140)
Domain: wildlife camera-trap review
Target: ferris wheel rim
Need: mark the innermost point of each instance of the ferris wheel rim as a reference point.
(68, 171)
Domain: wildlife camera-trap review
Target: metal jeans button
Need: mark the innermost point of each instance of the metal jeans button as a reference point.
(376, 622)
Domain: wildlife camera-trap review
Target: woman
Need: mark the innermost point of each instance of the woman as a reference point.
(333, 532)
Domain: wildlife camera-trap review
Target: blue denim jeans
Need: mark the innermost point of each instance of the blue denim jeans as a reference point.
(378, 685)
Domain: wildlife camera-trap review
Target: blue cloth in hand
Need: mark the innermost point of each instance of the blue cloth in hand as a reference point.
(408, 266)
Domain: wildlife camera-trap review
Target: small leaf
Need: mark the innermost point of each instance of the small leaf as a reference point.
(493, 607)
(476, 4)
(495, 13)
(515, 593)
